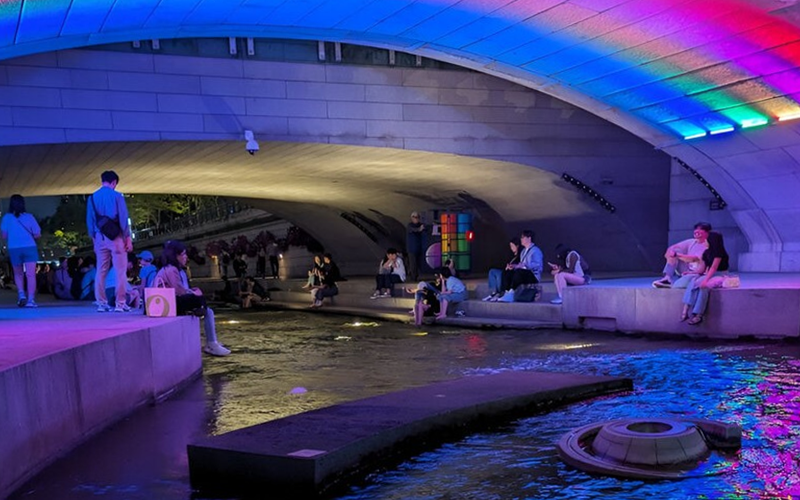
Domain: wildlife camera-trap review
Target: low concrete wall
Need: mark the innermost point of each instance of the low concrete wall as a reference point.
(758, 312)
(51, 404)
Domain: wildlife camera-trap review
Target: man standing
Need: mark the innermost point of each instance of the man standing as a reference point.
(415, 246)
(685, 258)
(272, 252)
(107, 221)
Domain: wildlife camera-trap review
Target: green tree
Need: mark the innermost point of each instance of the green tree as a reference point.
(66, 228)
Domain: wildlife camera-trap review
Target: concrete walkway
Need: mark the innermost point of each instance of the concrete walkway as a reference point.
(67, 372)
(304, 454)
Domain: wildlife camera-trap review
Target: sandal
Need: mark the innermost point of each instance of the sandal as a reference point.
(696, 319)
(684, 315)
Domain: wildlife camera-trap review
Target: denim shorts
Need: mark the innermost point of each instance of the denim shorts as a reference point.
(23, 255)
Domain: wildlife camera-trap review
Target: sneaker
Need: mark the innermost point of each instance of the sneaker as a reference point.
(216, 349)
(386, 295)
(507, 297)
(557, 300)
(104, 308)
(460, 313)
(31, 303)
(376, 294)
(489, 297)
(21, 301)
(121, 309)
(662, 283)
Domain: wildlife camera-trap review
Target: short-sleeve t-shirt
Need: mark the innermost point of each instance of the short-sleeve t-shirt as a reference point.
(20, 230)
(455, 285)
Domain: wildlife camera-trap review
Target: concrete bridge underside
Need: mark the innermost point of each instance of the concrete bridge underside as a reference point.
(664, 71)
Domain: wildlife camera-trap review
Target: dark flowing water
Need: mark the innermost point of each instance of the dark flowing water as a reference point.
(288, 362)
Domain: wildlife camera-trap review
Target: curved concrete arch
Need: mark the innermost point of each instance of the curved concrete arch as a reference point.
(367, 134)
(660, 69)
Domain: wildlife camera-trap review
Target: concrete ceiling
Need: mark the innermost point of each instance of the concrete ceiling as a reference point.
(345, 177)
(664, 69)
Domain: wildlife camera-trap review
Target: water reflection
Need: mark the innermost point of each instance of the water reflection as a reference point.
(288, 362)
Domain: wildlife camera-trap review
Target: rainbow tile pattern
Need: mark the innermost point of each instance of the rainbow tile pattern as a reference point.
(692, 68)
(455, 243)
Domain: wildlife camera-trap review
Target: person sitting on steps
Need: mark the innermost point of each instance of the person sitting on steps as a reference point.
(391, 271)
(188, 300)
(571, 270)
(496, 275)
(685, 259)
(695, 299)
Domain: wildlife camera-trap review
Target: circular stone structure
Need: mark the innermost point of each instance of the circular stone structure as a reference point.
(648, 448)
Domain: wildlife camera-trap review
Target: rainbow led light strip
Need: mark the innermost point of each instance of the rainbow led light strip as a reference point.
(693, 68)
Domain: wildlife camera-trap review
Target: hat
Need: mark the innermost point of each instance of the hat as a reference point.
(146, 255)
(414, 214)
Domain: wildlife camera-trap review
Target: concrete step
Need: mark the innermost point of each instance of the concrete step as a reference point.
(522, 311)
(347, 300)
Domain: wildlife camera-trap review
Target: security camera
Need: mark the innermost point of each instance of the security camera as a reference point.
(252, 145)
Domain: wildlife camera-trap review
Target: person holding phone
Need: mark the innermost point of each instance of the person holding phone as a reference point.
(571, 269)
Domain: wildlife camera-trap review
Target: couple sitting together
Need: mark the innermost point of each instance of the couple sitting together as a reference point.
(524, 271)
(696, 262)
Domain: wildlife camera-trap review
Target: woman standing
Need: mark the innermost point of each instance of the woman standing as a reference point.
(695, 299)
(20, 230)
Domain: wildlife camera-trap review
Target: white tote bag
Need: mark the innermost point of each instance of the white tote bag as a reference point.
(160, 302)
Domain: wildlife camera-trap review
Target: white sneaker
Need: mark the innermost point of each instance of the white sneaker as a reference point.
(386, 295)
(489, 297)
(31, 303)
(122, 309)
(376, 294)
(557, 300)
(507, 297)
(216, 349)
(104, 308)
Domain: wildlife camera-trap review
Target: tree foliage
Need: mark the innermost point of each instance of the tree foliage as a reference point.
(153, 210)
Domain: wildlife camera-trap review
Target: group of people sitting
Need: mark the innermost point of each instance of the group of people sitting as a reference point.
(695, 264)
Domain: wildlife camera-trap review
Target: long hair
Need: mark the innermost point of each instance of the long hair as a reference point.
(169, 257)
(16, 205)
(562, 251)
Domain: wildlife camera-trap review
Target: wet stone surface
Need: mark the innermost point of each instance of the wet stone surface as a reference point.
(288, 362)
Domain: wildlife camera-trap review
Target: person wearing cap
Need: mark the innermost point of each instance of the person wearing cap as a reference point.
(147, 270)
(415, 245)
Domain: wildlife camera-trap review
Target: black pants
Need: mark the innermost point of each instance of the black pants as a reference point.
(190, 303)
(273, 263)
(261, 266)
(386, 281)
(516, 277)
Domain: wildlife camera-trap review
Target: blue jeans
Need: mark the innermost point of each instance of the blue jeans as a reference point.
(696, 298)
(495, 280)
(685, 281)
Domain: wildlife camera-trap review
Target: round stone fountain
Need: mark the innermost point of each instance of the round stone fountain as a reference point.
(648, 448)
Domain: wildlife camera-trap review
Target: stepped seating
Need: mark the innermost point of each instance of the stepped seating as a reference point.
(354, 298)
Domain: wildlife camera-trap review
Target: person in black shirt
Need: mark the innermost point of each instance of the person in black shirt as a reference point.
(330, 276)
(695, 299)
